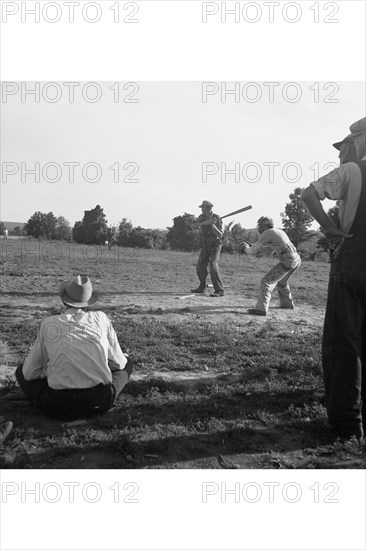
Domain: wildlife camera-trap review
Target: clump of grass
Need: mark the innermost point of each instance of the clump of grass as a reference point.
(8, 383)
(312, 411)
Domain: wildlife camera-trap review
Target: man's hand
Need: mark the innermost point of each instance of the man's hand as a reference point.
(335, 237)
(244, 246)
(313, 204)
(333, 233)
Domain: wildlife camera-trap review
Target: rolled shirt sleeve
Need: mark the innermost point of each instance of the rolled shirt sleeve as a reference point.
(333, 185)
(35, 365)
(343, 184)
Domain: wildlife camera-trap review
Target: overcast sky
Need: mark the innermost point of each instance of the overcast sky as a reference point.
(168, 134)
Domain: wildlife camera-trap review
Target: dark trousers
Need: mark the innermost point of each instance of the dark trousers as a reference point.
(343, 351)
(209, 256)
(73, 403)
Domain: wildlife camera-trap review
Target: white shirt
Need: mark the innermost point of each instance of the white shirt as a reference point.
(345, 184)
(76, 349)
(280, 243)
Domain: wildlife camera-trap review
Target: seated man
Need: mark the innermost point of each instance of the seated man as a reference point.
(76, 367)
(281, 272)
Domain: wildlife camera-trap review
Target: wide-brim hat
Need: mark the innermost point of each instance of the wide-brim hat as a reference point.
(348, 139)
(206, 203)
(358, 127)
(78, 292)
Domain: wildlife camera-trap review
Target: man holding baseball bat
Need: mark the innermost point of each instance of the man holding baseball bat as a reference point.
(211, 239)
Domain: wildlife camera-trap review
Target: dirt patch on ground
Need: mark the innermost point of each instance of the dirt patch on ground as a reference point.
(26, 314)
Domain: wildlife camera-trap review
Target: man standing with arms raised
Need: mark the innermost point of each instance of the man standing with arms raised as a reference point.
(344, 363)
(211, 242)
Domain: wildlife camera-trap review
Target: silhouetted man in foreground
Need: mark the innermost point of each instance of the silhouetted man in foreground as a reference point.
(344, 338)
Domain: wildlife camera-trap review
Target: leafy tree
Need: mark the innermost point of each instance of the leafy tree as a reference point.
(36, 225)
(181, 236)
(159, 238)
(228, 241)
(124, 232)
(50, 226)
(95, 226)
(62, 229)
(234, 235)
(309, 250)
(96, 233)
(41, 225)
(296, 219)
(111, 236)
(2, 228)
(46, 226)
(141, 238)
(78, 232)
(17, 231)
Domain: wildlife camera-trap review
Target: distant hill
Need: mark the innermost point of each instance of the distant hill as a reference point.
(11, 225)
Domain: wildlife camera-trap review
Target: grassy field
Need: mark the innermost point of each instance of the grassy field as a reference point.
(213, 386)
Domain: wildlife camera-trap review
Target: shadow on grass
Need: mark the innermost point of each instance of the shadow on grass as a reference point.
(156, 401)
(175, 450)
(234, 440)
(168, 428)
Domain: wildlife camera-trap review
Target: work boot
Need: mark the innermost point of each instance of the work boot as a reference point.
(217, 294)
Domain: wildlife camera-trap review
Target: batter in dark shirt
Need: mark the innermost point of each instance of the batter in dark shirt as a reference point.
(211, 243)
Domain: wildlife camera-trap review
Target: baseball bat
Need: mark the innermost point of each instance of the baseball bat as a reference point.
(237, 212)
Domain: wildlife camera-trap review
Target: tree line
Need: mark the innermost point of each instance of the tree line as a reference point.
(93, 228)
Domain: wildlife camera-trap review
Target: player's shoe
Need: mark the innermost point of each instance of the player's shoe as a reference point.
(253, 311)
